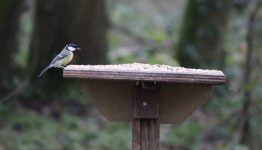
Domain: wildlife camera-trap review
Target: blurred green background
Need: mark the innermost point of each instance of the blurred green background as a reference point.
(52, 114)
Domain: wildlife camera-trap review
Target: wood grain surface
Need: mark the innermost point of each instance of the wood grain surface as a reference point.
(177, 75)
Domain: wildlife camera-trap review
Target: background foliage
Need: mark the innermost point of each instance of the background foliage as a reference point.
(52, 114)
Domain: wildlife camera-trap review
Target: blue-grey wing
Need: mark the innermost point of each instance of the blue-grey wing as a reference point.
(58, 57)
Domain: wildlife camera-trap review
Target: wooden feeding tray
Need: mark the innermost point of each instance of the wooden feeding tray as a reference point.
(146, 95)
(111, 87)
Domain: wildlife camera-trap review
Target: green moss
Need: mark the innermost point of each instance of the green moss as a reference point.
(185, 48)
(202, 32)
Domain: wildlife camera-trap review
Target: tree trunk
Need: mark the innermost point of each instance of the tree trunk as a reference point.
(202, 33)
(9, 24)
(89, 30)
(246, 138)
(60, 22)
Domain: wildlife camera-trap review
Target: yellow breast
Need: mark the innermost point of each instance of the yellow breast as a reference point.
(66, 60)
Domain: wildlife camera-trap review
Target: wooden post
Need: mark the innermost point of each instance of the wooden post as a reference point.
(145, 134)
(145, 127)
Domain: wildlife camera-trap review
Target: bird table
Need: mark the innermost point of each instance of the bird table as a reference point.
(146, 95)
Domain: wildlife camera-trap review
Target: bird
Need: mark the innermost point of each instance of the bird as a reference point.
(62, 59)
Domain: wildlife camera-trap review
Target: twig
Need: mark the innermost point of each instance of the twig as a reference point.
(15, 91)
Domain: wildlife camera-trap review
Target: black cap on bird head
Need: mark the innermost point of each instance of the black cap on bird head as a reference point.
(72, 47)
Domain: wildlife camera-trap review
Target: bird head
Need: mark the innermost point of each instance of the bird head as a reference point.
(72, 47)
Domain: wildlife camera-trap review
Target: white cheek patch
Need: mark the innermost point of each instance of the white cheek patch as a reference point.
(71, 48)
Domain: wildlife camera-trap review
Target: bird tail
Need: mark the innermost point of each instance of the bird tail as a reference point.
(48, 67)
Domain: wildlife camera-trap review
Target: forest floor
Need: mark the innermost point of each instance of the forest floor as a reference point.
(55, 125)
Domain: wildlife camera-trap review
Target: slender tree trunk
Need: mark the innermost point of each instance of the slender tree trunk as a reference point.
(202, 33)
(245, 138)
(59, 22)
(9, 24)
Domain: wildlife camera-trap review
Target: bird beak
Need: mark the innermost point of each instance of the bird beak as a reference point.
(78, 49)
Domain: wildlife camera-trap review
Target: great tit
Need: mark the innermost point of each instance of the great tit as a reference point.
(62, 59)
